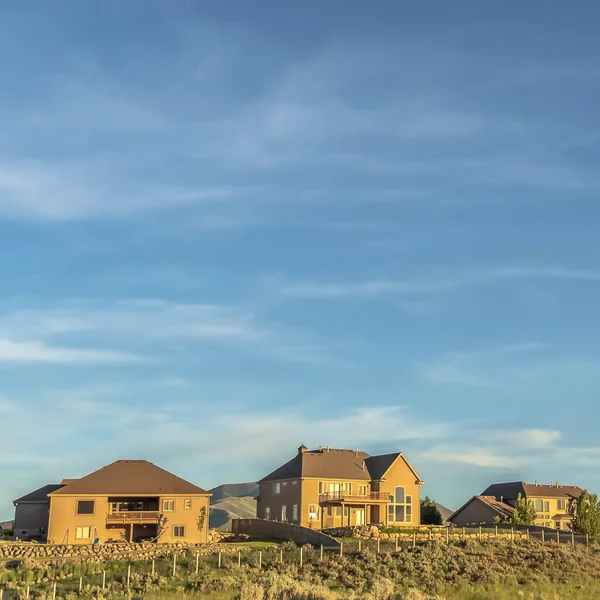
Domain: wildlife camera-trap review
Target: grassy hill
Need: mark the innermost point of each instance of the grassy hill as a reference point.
(232, 501)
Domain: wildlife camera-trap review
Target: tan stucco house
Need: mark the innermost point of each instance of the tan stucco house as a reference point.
(128, 500)
(331, 487)
(552, 503)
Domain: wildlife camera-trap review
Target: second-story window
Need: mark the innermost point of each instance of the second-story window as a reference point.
(322, 487)
(187, 505)
(168, 505)
(277, 488)
(85, 507)
(561, 504)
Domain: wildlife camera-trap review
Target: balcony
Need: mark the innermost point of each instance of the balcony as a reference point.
(132, 517)
(350, 498)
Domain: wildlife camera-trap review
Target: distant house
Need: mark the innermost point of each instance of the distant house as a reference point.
(128, 500)
(552, 504)
(481, 510)
(335, 487)
(32, 512)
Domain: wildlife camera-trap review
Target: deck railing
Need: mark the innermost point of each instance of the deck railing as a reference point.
(127, 516)
(343, 496)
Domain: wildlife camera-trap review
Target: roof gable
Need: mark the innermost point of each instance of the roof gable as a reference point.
(130, 477)
(504, 511)
(380, 464)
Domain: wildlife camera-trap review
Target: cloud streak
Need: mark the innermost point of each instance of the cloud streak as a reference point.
(435, 285)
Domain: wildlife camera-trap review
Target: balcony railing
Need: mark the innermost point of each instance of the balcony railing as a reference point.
(133, 516)
(343, 496)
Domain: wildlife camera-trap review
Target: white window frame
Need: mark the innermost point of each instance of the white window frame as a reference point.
(79, 533)
(187, 504)
(284, 513)
(394, 505)
(276, 488)
(168, 505)
(294, 512)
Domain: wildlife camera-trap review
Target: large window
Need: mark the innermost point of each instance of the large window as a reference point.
(322, 487)
(542, 506)
(277, 488)
(187, 504)
(83, 533)
(400, 507)
(313, 512)
(85, 507)
(284, 513)
(168, 505)
(294, 512)
(561, 504)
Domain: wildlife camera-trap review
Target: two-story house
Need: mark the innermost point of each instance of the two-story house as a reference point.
(128, 500)
(332, 487)
(552, 504)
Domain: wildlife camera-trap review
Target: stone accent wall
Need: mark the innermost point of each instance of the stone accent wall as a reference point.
(438, 533)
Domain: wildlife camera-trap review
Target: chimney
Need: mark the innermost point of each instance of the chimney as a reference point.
(302, 449)
(364, 466)
(327, 448)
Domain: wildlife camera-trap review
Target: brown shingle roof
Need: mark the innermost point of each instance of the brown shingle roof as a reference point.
(131, 478)
(335, 463)
(504, 511)
(511, 490)
(326, 463)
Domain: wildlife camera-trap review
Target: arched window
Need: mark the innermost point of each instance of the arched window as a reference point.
(539, 506)
(400, 507)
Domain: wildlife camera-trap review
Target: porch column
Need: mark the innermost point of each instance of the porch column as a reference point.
(367, 520)
(131, 533)
(322, 515)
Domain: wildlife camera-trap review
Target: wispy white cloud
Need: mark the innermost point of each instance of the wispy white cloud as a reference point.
(155, 325)
(476, 456)
(38, 352)
(435, 285)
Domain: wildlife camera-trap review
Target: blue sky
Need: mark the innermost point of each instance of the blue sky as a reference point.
(230, 228)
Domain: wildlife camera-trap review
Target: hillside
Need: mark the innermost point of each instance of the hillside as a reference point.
(232, 501)
(233, 490)
(222, 511)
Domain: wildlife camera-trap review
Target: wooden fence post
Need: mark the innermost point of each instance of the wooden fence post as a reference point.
(300, 556)
(414, 539)
(543, 536)
(496, 532)
(174, 564)
(587, 539)
(152, 568)
(341, 548)
(128, 574)
(80, 584)
(359, 545)
(219, 560)
(480, 533)
(27, 592)
(429, 534)
(528, 533)
(104, 576)
(260, 560)
(239, 558)
(558, 537)
(54, 591)
(512, 534)
(197, 562)
(321, 558)
(396, 543)
(378, 545)
(463, 533)
(1, 593)
(573, 539)
(447, 535)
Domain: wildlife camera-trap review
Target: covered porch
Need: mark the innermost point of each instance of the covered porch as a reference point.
(345, 509)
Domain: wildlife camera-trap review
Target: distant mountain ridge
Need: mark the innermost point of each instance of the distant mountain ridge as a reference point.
(232, 501)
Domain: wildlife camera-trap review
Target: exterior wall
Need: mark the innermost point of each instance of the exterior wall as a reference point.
(289, 494)
(475, 513)
(399, 474)
(310, 496)
(545, 516)
(64, 521)
(31, 518)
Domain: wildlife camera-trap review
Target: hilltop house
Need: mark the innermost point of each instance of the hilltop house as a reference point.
(126, 500)
(331, 487)
(552, 504)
